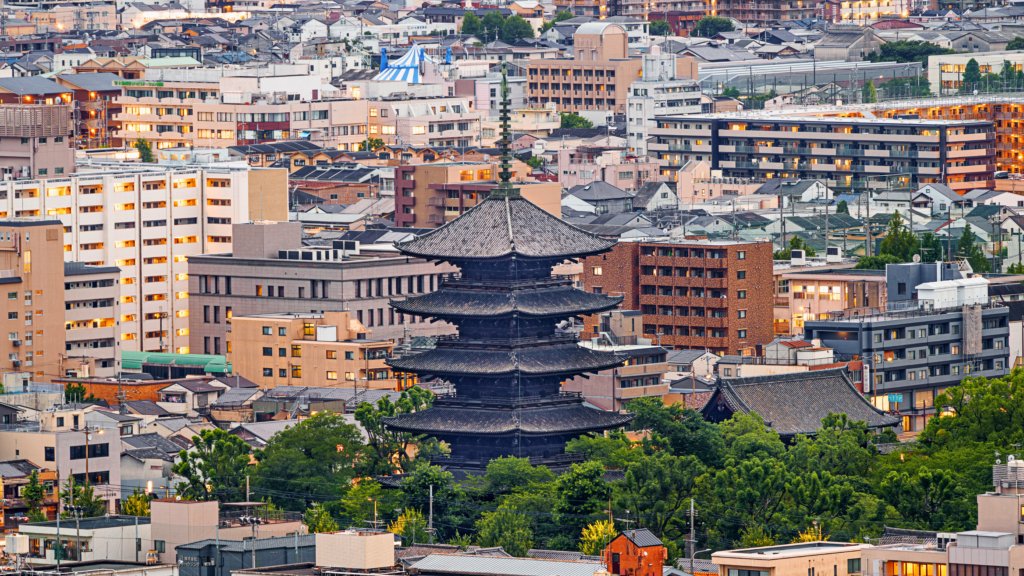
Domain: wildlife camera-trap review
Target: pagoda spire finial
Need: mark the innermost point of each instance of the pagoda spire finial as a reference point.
(505, 188)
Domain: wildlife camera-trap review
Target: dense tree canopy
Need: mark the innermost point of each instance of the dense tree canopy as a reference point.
(708, 26)
(907, 51)
(215, 468)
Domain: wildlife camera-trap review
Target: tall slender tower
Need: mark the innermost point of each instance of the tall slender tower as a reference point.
(508, 361)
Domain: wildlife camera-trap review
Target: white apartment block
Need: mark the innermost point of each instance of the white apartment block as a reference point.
(91, 295)
(946, 71)
(147, 222)
(660, 92)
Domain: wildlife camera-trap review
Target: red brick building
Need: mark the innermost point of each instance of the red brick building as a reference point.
(635, 553)
(692, 294)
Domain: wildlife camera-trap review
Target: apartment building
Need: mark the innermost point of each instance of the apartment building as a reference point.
(692, 294)
(14, 475)
(270, 271)
(35, 141)
(597, 77)
(938, 327)
(844, 151)
(59, 441)
(946, 71)
(666, 88)
(148, 222)
(91, 295)
(763, 14)
(306, 349)
(92, 95)
(1004, 113)
(32, 275)
(429, 195)
(817, 294)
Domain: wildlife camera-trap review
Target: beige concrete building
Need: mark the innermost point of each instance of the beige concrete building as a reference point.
(811, 558)
(946, 71)
(597, 77)
(815, 294)
(31, 278)
(271, 271)
(35, 141)
(90, 320)
(429, 195)
(59, 441)
(321, 350)
(148, 222)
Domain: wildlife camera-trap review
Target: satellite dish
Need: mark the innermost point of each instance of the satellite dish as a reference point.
(916, 258)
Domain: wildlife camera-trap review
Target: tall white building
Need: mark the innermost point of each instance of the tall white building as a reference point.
(147, 222)
(661, 91)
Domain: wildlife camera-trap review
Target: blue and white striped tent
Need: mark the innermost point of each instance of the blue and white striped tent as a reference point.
(405, 69)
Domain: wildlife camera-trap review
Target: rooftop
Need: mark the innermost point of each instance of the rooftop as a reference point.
(792, 550)
(95, 523)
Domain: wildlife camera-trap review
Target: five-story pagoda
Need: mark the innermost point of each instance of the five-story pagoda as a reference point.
(508, 361)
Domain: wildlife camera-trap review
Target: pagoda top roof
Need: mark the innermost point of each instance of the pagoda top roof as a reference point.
(501, 226)
(452, 301)
(475, 421)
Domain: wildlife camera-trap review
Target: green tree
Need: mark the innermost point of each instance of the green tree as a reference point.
(471, 24)
(535, 162)
(411, 526)
(390, 450)
(708, 26)
(980, 410)
(371, 144)
(899, 240)
(450, 498)
(842, 207)
(504, 475)
(327, 450)
(877, 262)
(869, 94)
(515, 28)
(660, 28)
(658, 488)
(574, 120)
(684, 430)
(136, 505)
(559, 17)
(1016, 44)
(582, 496)
(1015, 268)
(81, 499)
(75, 393)
(907, 87)
(507, 528)
(145, 151)
(34, 494)
(317, 518)
(931, 248)
(491, 25)
(971, 78)
(969, 248)
(215, 468)
(907, 51)
(596, 537)
(795, 243)
(731, 92)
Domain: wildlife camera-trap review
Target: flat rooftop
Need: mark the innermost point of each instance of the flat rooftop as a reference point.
(790, 550)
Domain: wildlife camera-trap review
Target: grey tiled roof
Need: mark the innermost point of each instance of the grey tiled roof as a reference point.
(500, 227)
(490, 566)
(642, 537)
(461, 419)
(557, 301)
(565, 359)
(796, 403)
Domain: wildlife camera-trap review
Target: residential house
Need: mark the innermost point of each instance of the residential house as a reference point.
(599, 198)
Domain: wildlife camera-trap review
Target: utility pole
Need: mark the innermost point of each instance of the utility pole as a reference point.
(247, 498)
(693, 534)
(430, 517)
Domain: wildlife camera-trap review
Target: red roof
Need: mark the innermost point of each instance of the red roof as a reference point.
(796, 344)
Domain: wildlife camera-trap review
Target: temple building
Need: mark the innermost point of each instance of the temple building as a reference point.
(508, 361)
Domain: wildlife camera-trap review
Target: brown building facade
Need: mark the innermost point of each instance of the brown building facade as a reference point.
(35, 141)
(429, 195)
(692, 294)
(596, 78)
(32, 289)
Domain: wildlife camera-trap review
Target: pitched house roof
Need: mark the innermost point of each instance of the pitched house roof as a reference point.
(793, 404)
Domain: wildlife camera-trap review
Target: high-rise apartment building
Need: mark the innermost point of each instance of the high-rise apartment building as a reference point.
(270, 271)
(91, 295)
(666, 88)
(148, 222)
(32, 284)
(692, 294)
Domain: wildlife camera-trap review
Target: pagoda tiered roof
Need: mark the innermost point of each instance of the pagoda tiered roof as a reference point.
(540, 420)
(504, 226)
(558, 301)
(453, 359)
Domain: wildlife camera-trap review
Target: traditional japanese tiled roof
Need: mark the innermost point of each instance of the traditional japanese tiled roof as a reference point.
(561, 301)
(503, 226)
(559, 359)
(442, 419)
(794, 404)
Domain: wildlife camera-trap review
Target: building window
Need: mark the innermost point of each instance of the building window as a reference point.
(741, 255)
(160, 546)
(267, 331)
(741, 313)
(268, 372)
(296, 351)
(853, 566)
(741, 294)
(349, 355)
(268, 351)
(741, 274)
(598, 271)
(332, 354)
(281, 372)
(332, 375)
(282, 331)
(741, 333)
(296, 371)
(49, 454)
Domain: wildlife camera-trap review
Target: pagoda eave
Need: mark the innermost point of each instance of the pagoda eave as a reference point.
(562, 360)
(444, 421)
